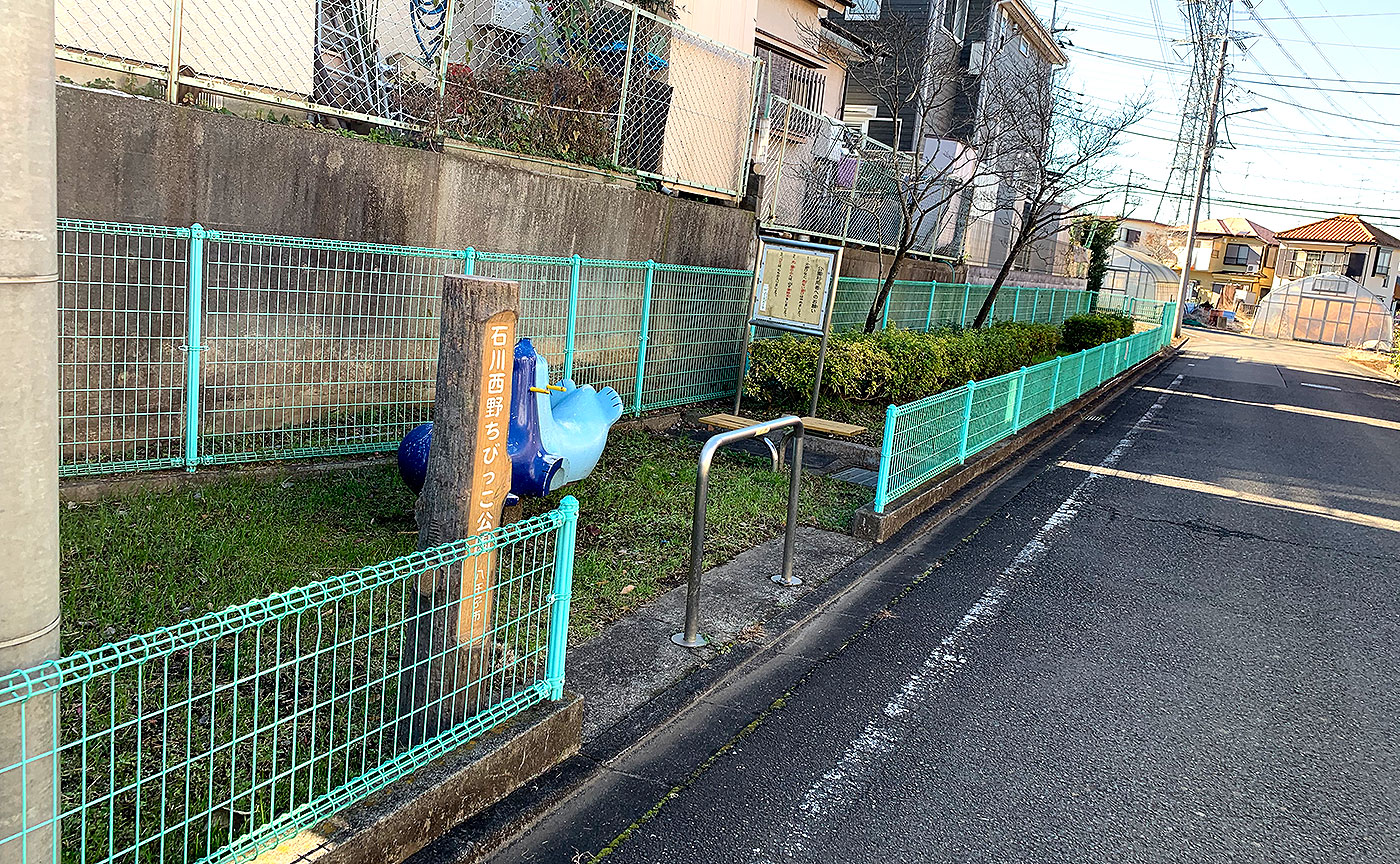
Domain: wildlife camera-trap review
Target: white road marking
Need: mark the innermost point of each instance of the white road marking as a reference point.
(1318, 386)
(1172, 482)
(843, 781)
(1291, 409)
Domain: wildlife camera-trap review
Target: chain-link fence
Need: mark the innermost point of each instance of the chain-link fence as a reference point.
(216, 738)
(596, 82)
(826, 179)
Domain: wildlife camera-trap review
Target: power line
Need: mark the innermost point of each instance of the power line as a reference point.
(1320, 111)
(1180, 68)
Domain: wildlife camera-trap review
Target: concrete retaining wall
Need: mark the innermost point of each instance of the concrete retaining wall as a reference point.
(128, 159)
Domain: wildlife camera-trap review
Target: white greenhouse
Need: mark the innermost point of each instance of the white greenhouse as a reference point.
(1325, 308)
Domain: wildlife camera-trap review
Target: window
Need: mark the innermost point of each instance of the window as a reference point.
(1382, 263)
(789, 79)
(1131, 236)
(864, 10)
(1237, 255)
(955, 18)
(1311, 262)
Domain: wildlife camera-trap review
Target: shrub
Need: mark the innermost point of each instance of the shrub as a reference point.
(1085, 331)
(892, 365)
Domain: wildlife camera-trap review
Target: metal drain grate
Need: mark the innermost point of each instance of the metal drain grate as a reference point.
(1094, 418)
(858, 476)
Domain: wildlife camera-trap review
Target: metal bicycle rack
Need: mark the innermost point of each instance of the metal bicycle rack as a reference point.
(691, 637)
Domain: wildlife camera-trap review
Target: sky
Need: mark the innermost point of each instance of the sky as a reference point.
(1329, 142)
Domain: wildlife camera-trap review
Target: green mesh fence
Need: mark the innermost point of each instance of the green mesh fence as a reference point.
(184, 347)
(187, 347)
(925, 438)
(216, 738)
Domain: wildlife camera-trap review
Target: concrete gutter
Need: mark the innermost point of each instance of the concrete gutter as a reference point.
(1000, 458)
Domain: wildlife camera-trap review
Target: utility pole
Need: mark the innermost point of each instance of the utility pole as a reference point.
(1126, 189)
(1201, 174)
(28, 425)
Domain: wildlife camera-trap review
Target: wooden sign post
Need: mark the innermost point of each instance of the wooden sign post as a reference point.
(448, 644)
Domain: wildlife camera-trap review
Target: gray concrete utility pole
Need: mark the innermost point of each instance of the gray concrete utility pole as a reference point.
(28, 418)
(1201, 174)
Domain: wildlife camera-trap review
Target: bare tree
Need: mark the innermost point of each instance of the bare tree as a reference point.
(1046, 167)
(914, 74)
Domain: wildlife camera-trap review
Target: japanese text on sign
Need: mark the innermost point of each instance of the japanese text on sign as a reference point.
(793, 287)
(491, 477)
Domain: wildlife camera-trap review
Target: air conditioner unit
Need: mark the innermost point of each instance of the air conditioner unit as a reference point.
(516, 16)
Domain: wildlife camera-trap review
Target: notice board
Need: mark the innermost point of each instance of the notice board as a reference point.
(793, 284)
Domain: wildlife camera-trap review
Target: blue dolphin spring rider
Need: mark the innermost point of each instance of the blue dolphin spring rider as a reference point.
(556, 433)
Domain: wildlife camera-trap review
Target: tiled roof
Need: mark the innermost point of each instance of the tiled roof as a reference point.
(1236, 226)
(1340, 229)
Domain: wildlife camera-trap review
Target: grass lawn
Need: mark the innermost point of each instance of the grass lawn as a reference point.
(149, 559)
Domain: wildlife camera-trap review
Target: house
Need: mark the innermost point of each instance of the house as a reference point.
(804, 55)
(1148, 235)
(1005, 41)
(1232, 265)
(1346, 245)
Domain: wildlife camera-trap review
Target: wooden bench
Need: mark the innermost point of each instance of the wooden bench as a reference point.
(776, 449)
(834, 428)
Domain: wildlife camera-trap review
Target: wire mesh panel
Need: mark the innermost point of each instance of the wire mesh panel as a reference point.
(948, 303)
(709, 112)
(1038, 391)
(122, 301)
(924, 441)
(908, 304)
(315, 347)
(215, 738)
(546, 284)
(827, 179)
(113, 34)
(993, 414)
(852, 305)
(694, 335)
(607, 328)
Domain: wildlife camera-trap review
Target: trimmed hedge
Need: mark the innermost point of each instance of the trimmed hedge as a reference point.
(892, 365)
(1079, 332)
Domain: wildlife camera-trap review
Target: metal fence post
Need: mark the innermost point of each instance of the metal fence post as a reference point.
(172, 73)
(626, 81)
(563, 591)
(885, 313)
(882, 482)
(1016, 306)
(642, 339)
(928, 319)
(469, 266)
(1036, 306)
(193, 313)
(966, 421)
(571, 324)
(967, 293)
(1079, 386)
(443, 54)
(1055, 383)
(1020, 393)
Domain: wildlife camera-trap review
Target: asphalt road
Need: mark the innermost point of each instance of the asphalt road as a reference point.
(1177, 642)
